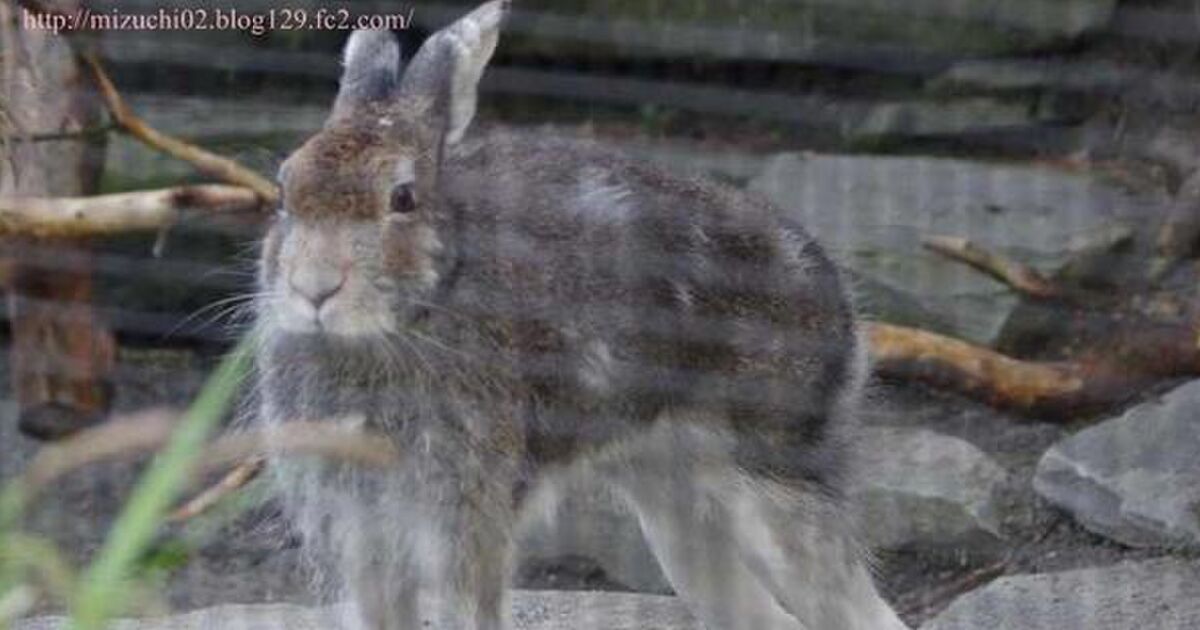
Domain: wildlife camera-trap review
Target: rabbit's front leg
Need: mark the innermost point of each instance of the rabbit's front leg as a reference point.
(465, 518)
(384, 593)
(475, 587)
(469, 565)
(451, 573)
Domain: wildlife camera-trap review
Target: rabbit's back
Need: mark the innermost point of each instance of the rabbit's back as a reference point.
(625, 292)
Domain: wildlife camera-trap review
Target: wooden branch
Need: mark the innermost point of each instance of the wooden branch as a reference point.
(148, 431)
(211, 164)
(138, 433)
(1022, 278)
(233, 481)
(1136, 355)
(112, 214)
(981, 373)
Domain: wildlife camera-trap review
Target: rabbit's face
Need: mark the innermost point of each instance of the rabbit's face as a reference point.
(359, 245)
(355, 247)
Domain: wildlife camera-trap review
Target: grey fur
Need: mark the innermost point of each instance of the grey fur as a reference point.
(372, 69)
(557, 310)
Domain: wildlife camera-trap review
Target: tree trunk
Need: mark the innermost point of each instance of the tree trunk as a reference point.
(62, 355)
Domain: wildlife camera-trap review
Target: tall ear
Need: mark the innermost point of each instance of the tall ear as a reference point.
(449, 65)
(371, 69)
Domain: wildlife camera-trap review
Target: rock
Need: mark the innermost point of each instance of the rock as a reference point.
(1134, 478)
(532, 610)
(873, 213)
(593, 524)
(915, 489)
(1160, 594)
(968, 117)
(1028, 75)
(920, 489)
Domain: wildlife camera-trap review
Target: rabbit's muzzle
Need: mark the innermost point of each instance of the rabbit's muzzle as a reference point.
(326, 284)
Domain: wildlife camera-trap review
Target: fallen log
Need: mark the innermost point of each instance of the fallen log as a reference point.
(1099, 379)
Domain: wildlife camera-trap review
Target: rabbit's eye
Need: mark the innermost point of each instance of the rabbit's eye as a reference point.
(404, 201)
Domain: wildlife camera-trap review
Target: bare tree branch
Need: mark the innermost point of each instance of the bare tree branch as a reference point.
(112, 214)
(144, 432)
(233, 481)
(953, 364)
(1022, 278)
(211, 164)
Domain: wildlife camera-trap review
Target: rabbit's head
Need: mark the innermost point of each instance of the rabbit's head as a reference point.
(361, 238)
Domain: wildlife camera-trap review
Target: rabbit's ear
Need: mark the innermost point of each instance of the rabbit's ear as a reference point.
(449, 65)
(371, 69)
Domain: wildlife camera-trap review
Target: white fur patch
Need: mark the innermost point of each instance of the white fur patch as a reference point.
(379, 49)
(428, 241)
(598, 366)
(600, 200)
(405, 169)
(473, 40)
(683, 295)
(791, 247)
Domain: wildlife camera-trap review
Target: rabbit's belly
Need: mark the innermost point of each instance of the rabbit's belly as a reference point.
(607, 395)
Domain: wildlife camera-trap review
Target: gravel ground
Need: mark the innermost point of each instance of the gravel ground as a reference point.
(253, 557)
(1038, 537)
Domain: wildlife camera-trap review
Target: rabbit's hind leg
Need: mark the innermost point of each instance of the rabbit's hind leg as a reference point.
(801, 547)
(697, 553)
(667, 478)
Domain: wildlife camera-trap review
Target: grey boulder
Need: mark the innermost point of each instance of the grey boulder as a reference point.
(1134, 478)
(1155, 594)
(874, 212)
(920, 489)
(914, 489)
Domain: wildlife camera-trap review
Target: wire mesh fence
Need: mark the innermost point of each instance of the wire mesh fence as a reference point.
(1004, 191)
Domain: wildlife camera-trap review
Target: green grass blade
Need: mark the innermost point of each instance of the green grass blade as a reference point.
(100, 595)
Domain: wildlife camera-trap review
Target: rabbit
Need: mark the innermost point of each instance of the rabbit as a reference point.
(516, 311)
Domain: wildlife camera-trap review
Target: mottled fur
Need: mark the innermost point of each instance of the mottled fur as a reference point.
(548, 310)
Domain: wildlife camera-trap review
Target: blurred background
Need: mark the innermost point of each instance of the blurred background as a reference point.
(1010, 185)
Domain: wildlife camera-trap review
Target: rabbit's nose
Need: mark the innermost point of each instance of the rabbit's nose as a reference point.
(317, 283)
